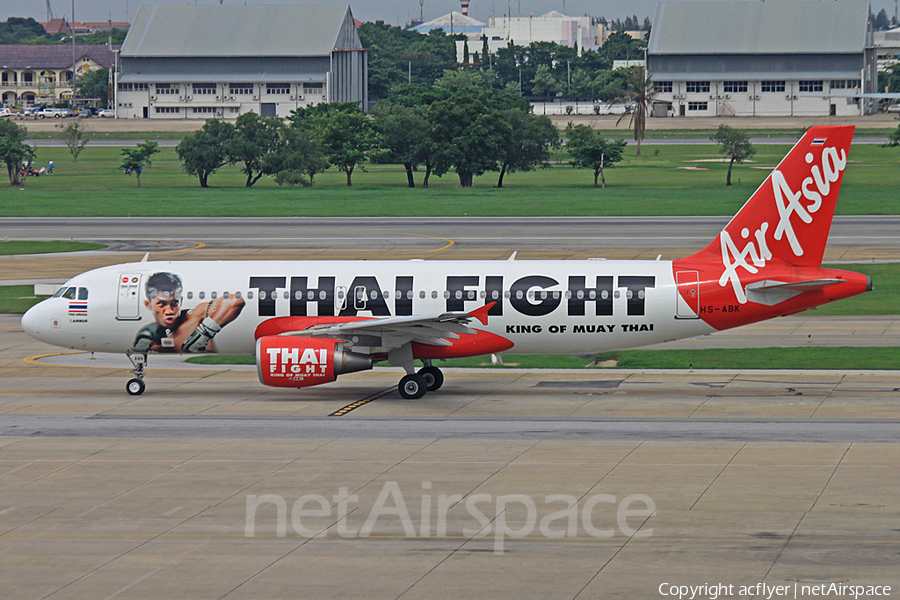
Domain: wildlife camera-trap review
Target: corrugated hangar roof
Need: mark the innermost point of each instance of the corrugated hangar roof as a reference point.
(235, 30)
(785, 27)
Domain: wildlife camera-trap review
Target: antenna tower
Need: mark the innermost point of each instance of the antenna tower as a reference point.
(49, 11)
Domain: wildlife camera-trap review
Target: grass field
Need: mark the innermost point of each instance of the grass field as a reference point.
(846, 358)
(16, 299)
(672, 181)
(29, 247)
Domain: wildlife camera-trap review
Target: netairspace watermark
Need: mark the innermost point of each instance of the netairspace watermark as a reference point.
(711, 591)
(490, 514)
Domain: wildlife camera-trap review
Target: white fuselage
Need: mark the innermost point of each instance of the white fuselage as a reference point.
(543, 307)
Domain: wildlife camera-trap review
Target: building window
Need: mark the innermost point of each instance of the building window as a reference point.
(243, 89)
(203, 109)
(207, 89)
(167, 109)
(734, 86)
(166, 88)
(772, 86)
(810, 86)
(132, 87)
(694, 87)
(698, 105)
(663, 87)
(278, 88)
(844, 84)
(313, 88)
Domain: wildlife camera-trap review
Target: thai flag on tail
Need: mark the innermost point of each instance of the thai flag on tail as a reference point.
(818, 142)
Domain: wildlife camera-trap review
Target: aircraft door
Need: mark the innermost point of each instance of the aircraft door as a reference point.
(688, 295)
(359, 297)
(128, 302)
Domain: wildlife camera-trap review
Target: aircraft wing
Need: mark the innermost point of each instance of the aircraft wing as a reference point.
(434, 329)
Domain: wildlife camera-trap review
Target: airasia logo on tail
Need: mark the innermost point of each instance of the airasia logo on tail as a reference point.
(800, 233)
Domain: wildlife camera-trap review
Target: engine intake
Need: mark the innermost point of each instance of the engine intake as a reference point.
(283, 361)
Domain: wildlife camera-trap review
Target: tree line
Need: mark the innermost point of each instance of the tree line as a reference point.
(459, 124)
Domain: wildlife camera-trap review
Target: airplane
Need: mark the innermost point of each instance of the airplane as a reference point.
(309, 322)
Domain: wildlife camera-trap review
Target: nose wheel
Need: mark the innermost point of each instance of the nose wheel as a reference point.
(136, 387)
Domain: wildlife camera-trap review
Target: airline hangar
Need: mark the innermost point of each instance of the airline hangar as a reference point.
(745, 59)
(214, 61)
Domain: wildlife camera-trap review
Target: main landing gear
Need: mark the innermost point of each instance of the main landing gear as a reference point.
(135, 387)
(427, 379)
(415, 383)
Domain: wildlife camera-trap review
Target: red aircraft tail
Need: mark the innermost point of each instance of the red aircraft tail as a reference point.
(767, 259)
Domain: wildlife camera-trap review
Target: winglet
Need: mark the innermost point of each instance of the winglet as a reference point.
(482, 313)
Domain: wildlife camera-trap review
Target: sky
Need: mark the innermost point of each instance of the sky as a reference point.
(395, 12)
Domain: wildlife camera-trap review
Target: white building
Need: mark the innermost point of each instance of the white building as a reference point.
(522, 31)
(205, 61)
(709, 59)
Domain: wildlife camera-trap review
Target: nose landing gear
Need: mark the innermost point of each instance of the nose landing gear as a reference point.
(135, 387)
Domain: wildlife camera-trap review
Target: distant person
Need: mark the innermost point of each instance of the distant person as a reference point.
(50, 168)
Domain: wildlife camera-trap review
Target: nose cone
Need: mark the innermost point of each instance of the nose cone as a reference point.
(31, 321)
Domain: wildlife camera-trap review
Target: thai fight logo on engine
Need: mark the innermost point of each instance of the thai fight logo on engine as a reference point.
(297, 365)
(814, 187)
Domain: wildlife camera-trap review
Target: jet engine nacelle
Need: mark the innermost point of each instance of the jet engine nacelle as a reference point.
(284, 361)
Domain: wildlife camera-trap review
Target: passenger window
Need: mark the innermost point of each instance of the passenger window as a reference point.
(422, 294)
(250, 295)
(201, 295)
(190, 295)
(69, 294)
(82, 293)
(226, 295)
(213, 295)
(237, 295)
(434, 295)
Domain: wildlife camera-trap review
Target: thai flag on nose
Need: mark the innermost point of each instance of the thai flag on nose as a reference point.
(77, 307)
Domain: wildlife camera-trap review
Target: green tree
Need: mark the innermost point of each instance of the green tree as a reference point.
(254, 139)
(206, 150)
(734, 144)
(76, 136)
(544, 83)
(641, 94)
(347, 136)
(298, 159)
(528, 146)
(94, 84)
(403, 130)
(16, 30)
(588, 149)
(467, 134)
(135, 159)
(13, 151)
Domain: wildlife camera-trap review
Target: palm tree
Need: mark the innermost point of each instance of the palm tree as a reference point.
(641, 92)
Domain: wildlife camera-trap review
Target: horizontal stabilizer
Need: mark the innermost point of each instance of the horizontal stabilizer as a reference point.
(771, 293)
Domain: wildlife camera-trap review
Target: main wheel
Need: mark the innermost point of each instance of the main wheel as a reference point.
(135, 387)
(413, 387)
(434, 379)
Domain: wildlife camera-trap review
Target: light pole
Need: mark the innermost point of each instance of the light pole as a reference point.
(74, 76)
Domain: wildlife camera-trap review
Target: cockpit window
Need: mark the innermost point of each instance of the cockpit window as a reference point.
(82, 293)
(59, 292)
(69, 294)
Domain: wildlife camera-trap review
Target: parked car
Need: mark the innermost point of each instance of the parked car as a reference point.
(53, 113)
(85, 113)
(894, 108)
(5, 112)
(106, 113)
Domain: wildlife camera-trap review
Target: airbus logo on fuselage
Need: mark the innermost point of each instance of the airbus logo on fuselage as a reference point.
(530, 295)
